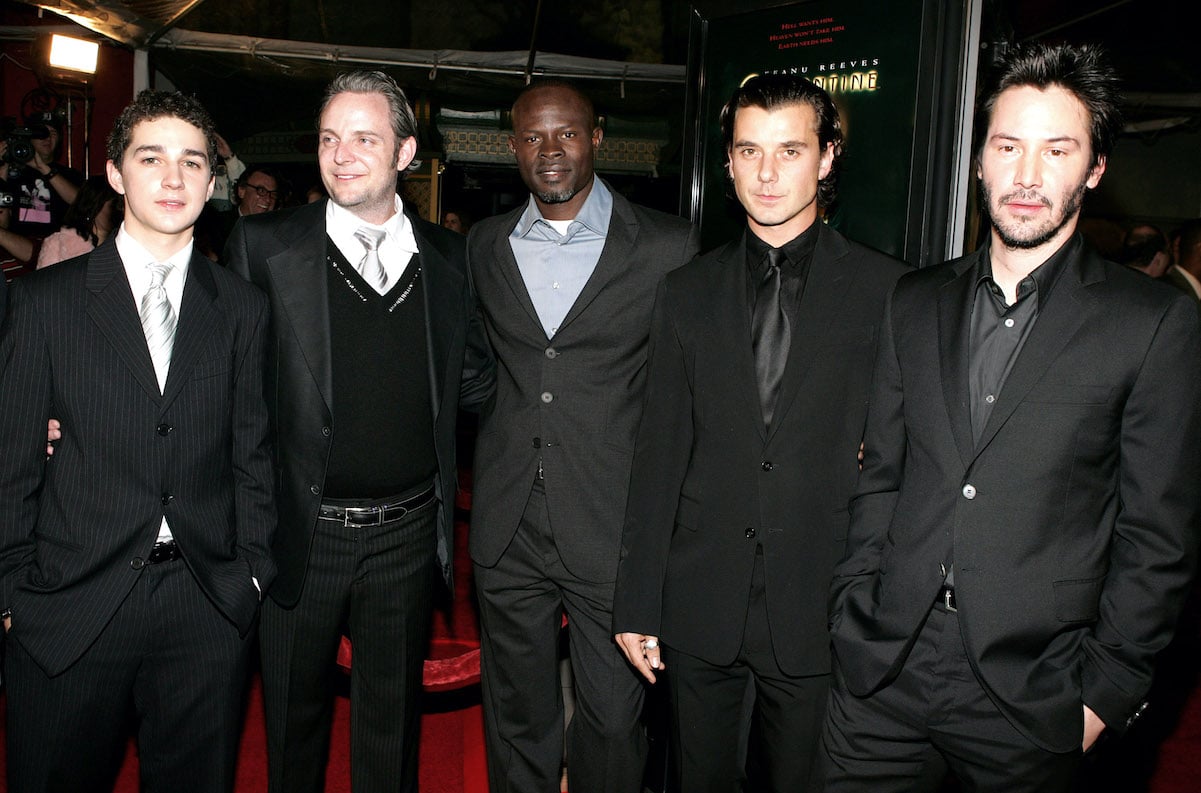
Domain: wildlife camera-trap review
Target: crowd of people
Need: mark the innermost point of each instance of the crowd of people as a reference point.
(870, 527)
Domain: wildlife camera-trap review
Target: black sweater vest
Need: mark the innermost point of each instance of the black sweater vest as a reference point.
(383, 420)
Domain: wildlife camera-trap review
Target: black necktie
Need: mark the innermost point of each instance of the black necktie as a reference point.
(769, 334)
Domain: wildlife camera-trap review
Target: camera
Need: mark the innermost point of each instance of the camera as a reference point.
(7, 200)
(20, 143)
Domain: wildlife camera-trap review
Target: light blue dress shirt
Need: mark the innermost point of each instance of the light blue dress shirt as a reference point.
(556, 266)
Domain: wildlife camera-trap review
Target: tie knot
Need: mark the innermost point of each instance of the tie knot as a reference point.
(158, 273)
(371, 238)
(775, 258)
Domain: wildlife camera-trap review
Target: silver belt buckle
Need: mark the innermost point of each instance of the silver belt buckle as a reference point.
(362, 511)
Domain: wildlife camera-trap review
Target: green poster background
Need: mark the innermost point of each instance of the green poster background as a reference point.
(867, 55)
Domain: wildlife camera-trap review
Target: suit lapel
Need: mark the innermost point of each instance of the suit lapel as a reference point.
(111, 308)
(729, 332)
(299, 277)
(825, 287)
(442, 288)
(614, 258)
(506, 263)
(199, 319)
(1059, 319)
(954, 329)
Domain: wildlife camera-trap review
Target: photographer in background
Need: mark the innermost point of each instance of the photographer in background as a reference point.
(44, 188)
(15, 249)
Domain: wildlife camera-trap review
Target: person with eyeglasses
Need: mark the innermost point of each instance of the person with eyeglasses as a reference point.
(257, 192)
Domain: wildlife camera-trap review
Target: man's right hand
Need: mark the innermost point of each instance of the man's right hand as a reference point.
(642, 652)
(53, 433)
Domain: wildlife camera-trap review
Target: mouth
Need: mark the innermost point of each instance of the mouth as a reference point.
(1025, 204)
(553, 173)
(171, 204)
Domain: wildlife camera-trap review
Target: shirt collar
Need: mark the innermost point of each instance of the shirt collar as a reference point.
(341, 224)
(1041, 279)
(798, 251)
(593, 215)
(135, 254)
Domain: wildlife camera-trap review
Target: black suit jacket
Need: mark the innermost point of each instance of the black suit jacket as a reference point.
(1073, 522)
(285, 254)
(75, 528)
(710, 483)
(574, 401)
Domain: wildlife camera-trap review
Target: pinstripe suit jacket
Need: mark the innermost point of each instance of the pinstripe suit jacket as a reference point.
(75, 528)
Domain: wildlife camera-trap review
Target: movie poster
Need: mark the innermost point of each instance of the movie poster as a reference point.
(867, 55)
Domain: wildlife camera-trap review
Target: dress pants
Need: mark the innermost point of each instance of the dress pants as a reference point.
(709, 718)
(168, 660)
(376, 584)
(522, 600)
(934, 715)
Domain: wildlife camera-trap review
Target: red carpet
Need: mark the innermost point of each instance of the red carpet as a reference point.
(1162, 755)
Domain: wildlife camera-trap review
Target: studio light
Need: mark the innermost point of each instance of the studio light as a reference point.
(74, 54)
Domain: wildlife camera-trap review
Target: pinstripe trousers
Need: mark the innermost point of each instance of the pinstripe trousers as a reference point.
(168, 661)
(375, 584)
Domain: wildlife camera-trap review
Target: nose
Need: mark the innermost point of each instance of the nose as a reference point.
(173, 175)
(550, 148)
(1029, 170)
(767, 169)
(342, 153)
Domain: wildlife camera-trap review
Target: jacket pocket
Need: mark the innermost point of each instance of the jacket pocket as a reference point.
(1077, 600)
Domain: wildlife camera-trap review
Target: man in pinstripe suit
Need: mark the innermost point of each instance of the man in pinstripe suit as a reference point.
(132, 561)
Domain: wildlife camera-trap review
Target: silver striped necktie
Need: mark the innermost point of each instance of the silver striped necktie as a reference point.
(158, 321)
(371, 268)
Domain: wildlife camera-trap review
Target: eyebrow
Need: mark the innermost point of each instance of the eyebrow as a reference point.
(786, 144)
(154, 148)
(1056, 139)
(355, 133)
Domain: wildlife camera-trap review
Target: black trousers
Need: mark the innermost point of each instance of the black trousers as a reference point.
(170, 662)
(935, 715)
(522, 600)
(709, 718)
(376, 583)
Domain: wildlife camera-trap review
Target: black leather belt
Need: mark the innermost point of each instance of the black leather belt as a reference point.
(376, 515)
(946, 598)
(163, 552)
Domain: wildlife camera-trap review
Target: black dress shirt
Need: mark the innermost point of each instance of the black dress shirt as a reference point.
(999, 330)
(798, 252)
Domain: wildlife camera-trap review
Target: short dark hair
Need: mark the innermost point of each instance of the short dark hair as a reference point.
(400, 113)
(150, 105)
(1189, 237)
(772, 91)
(1082, 70)
(252, 169)
(1141, 244)
(559, 82)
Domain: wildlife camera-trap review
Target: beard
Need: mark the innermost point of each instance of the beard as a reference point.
(561, 196)
(1022, 235)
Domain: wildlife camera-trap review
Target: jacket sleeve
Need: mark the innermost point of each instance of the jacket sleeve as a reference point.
(661, 455)
(875, 497)
(1154, 544)
(25, 391)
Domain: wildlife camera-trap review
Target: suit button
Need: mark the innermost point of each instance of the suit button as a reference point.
(766, 465)
(552, 353)
(164, 429)
(969, 492)
(325, 431)
(316, 491)
(537, 443)
(167, 499)
(137, 563)
(547, 397)
(749, 534)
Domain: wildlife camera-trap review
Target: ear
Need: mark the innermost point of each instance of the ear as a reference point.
(512, 144)
(827, 161)
(598, 135)
(408, 150)
(114, 177)
(212, 184)
(1094, 176)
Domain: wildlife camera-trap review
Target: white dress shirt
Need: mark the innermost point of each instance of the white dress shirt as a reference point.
(395, 252)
